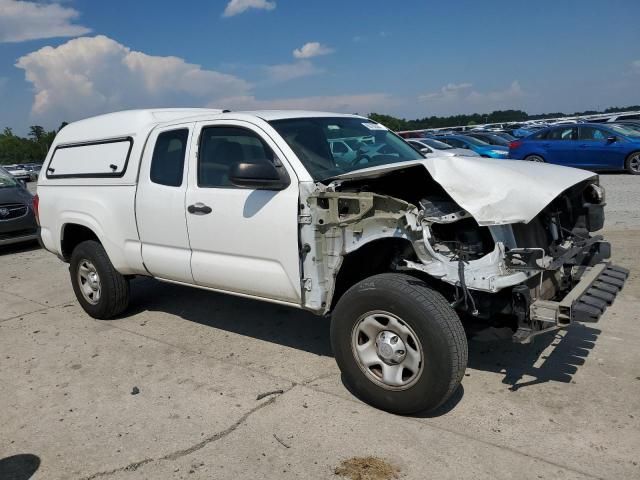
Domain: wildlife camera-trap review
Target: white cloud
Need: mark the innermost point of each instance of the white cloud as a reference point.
(361, 103)
(236, 7)
(92, 75)
(463, 98)
(20, 21)
(311, 49)
(289, 71)
(635, 65)
(449, 90)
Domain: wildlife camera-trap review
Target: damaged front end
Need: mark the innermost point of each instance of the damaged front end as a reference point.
(533, 276)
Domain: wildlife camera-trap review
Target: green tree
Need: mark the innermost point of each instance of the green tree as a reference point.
(36, 132)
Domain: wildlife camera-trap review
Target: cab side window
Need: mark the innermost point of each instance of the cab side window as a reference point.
(167, 163)
(564, 133)
(221, 147)
(593, 133)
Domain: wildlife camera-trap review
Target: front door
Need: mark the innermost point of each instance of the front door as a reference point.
(242, 240)
(597, 150)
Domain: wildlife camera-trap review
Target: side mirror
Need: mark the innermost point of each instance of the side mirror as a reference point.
(262, 176)
(612, 139)
(425, 150)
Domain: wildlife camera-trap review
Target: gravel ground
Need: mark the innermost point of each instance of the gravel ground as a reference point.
(172, 390)
(623, 201)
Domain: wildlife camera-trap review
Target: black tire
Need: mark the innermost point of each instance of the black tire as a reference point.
(114, 288)
(436, 326)
(632, 163)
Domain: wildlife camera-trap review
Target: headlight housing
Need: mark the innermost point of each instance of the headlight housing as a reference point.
(594, 193)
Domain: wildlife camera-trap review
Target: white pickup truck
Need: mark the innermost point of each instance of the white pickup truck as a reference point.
(398, 248)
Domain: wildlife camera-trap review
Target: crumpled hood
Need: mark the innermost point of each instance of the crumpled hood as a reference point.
(494, 192)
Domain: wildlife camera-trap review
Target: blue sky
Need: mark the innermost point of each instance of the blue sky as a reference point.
(69, 59)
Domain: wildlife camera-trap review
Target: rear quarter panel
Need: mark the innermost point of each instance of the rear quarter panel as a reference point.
(107, 210)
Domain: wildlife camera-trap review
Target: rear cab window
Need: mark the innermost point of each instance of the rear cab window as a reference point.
(167, 164)
(105, 158)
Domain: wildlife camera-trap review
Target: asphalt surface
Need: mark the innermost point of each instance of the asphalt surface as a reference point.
(566, 407)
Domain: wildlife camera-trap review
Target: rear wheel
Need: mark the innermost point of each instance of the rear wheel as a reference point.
(399, 345)
(632, 164)
(534, 158)
(101, 290)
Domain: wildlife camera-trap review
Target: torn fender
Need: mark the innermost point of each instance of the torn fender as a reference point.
(494, 192)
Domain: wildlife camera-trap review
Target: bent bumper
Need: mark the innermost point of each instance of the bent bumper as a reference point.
(596, 289)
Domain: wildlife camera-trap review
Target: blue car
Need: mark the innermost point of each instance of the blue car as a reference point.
(481, 148)
(592, 146)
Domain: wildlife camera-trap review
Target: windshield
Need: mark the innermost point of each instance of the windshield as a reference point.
(506, 136)
(475, 141)
(498, 140)
(371, 144)
(6, 179)
(437, 144)
(625, 130)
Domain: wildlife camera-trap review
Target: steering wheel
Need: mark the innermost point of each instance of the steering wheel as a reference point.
(360, 156)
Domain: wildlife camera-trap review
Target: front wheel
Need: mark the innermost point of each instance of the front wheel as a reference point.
(101, 290)
(632, 164)
(399, 344)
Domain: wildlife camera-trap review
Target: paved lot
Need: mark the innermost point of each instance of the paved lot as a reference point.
(566, 407)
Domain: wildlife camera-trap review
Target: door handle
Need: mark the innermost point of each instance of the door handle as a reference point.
(199, 209)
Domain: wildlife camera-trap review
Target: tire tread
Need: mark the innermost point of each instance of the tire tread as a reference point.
(115, 285)
(446, 318)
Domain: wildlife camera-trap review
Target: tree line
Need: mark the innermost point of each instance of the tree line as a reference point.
(30, 149)
(497, 116)
(34, 147)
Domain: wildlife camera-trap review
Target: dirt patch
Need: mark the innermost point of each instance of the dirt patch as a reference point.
(366, 468)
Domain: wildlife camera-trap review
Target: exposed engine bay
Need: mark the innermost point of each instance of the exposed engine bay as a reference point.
(501, 273)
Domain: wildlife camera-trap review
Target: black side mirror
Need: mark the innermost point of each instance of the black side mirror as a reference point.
(612, 139)
(263, 175)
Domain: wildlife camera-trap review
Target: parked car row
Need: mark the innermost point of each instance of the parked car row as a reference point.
(24, 171)
(592, 146)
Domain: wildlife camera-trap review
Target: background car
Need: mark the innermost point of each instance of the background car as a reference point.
(507, 136)
(18, 171)
(429, 146)
(593, 146)
(481, 148)
(490, 138)
(34, 171)
(17, 218)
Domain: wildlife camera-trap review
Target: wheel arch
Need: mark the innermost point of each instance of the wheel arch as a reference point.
(534, 154)
(628, 157)
(376, 256)
(73, 233)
